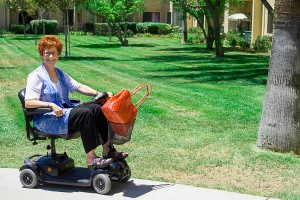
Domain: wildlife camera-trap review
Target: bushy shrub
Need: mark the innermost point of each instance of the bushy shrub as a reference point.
(194, 30)
(154, 28)
(143, 35)
(18, 28)
(176, 29)
(138, 28)
(4, 32)
(50, 26)
(165, 29)
(131, 27)
(233, 39)
(195, 35)
(101, 29)
(80, 33)
(195, 38)
(145, 27)
(244, 44)
(263, 43)
(175, 35)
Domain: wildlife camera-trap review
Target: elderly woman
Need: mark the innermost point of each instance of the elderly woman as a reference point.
(48, 86)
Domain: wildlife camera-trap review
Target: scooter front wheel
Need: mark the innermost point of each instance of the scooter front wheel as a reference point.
(101, 183)
(28, 178)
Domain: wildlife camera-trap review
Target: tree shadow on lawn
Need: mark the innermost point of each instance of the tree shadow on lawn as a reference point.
(81, 58)
(98, 46)
(112, 45)
(246, 68)
(141, 45)
(199, 49)
(188, 49)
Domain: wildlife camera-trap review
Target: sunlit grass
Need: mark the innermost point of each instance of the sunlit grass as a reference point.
(198, 127)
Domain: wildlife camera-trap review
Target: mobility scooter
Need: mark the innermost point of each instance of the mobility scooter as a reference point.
(57, 168)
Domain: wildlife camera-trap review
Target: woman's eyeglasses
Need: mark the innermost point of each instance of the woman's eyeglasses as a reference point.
(48, 53)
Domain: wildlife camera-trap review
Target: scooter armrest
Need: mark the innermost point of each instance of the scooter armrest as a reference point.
(75, 100)
(34, 111)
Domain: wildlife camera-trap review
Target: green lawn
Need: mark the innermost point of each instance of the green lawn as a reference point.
(198, 127)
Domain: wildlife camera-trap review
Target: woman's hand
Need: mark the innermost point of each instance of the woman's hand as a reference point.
(58, 110)
(110, 94)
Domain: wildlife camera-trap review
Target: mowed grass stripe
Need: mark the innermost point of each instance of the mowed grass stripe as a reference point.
(199, 126)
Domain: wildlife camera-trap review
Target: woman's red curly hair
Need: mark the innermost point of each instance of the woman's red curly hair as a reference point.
(49, 41)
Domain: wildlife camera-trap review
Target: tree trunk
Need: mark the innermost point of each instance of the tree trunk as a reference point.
(68, 34)
(279, 128)
(210, 37)
(35, 28)
(24, 25)
(66, 30)
(217, 33)
(218, 42)
(184, 28)
(214, 9)
(109, 32)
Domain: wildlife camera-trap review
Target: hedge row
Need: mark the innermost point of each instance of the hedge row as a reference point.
(19, 28)
(98, 28)
(50, 26)
(135, 27)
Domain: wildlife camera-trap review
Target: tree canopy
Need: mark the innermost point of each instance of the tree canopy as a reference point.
(115, 12)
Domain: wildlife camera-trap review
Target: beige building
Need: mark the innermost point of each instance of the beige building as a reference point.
(259, 20)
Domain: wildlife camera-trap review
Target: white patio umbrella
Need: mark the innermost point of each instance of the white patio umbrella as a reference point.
(238, 17)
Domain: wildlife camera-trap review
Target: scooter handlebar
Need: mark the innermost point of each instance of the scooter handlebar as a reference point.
(101, 98)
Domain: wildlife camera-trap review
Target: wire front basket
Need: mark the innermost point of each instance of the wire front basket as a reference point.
(120, 133)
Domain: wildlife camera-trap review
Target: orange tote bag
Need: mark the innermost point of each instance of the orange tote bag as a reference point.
(119, 109)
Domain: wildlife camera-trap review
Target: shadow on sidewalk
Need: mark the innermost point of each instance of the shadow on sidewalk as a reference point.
(132, 190)
(129, 189)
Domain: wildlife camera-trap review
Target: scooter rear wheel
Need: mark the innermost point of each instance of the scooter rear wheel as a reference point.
(101, 183)
(28, 178)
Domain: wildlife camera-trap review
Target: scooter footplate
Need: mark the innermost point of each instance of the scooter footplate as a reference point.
(78, 176)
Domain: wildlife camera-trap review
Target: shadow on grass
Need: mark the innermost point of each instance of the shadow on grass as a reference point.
(188, 49)
(112, 45)
(99, 46)
(247, 69)
(141, 45)
(81, 58)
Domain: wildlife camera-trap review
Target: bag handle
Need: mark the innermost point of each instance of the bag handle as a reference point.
(147, 93)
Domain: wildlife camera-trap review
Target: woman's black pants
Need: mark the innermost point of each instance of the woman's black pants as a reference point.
(91, 123)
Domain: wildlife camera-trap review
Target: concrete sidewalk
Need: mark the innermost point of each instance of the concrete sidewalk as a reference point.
(11, 188)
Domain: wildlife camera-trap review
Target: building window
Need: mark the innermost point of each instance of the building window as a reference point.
(270, 24)
(169, 17)
(71, 17)
(27, 18)
(151, 17)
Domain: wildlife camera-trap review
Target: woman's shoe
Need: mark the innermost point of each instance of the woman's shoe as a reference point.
(112, 153)
(99, 163)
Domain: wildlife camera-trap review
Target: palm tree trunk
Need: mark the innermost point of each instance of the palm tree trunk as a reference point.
(279, 128)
